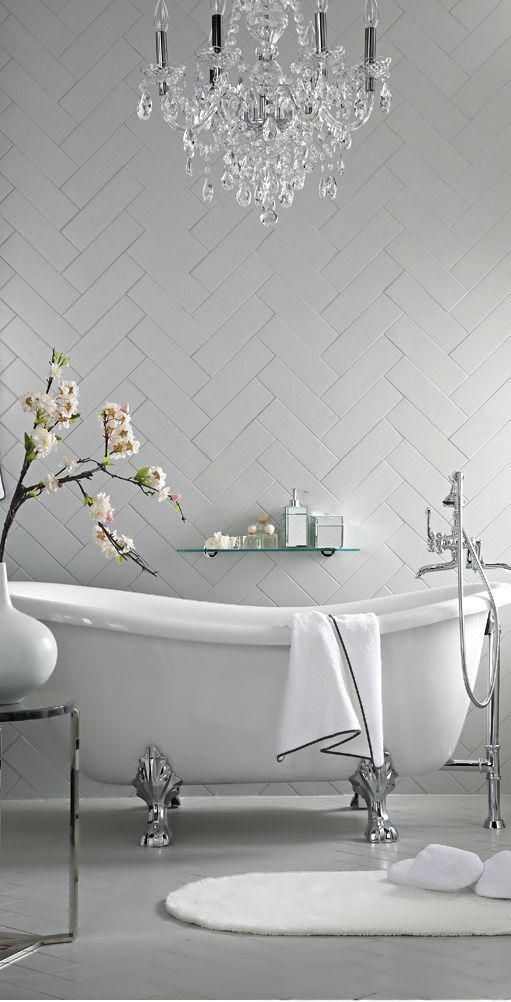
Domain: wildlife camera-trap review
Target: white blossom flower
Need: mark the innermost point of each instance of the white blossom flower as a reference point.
(114, 417)
(105, 544)
(156, 477)
(101, 508)
(55, 370)
(44, 441)
(39, 403)
(66, 402)
(66, 408)
(51, 483)
(127, 544)
(70, 464)
(116, 422)
(28, 401)
(46, 407)
(68, 388)
(122, 444)
(163, 494)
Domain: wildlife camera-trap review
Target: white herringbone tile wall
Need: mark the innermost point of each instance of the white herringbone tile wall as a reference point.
(362, 351)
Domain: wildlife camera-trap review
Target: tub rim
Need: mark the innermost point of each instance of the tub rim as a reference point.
(179, 619)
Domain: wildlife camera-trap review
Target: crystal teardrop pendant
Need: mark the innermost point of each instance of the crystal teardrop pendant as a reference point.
(322, 187)
(145, 106)
(227, 181)
(207, 191)
(188, 141)
(169, 108)
(331, 187)
(359, 108)
(385, 99)
(189, 167)
(286, 196)
(270, 130)
(269, 217)
(244, 195)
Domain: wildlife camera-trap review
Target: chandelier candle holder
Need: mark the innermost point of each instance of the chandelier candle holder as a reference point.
(270, 128)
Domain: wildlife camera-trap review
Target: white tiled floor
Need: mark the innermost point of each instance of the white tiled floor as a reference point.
(129, 948)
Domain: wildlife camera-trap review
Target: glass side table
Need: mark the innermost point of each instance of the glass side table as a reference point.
(40, 706)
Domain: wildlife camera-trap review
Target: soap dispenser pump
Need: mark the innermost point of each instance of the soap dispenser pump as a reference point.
(295, 520)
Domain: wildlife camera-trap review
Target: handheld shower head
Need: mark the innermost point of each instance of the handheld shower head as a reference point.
(452, 497)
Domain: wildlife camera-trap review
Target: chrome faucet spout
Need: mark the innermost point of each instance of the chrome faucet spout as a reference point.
(449, 565)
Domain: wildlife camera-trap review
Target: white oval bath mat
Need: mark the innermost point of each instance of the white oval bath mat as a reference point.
(357, 903)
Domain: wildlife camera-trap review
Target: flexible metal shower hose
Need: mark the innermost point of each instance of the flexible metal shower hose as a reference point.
(462, 535)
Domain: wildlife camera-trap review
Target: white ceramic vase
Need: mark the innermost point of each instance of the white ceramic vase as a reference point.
(28, 649)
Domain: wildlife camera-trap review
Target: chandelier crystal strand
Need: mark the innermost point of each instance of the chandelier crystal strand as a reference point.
(270, 127)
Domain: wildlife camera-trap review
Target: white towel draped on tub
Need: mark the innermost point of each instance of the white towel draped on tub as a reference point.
(334, 663)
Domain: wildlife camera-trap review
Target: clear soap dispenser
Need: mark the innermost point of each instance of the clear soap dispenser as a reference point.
(295, 522)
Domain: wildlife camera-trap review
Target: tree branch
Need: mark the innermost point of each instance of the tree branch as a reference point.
(130, 555)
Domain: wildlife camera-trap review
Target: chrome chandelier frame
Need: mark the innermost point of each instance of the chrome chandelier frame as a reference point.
(269, 127)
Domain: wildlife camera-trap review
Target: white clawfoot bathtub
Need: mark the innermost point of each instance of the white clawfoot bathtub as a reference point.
(204, 682)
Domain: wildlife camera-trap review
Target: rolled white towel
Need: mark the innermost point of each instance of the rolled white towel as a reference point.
(495, 880)
(438, 868)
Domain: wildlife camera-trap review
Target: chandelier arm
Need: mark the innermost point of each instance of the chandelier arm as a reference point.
(174, 125)
(358, 123)
(200, 123)
(330, 120)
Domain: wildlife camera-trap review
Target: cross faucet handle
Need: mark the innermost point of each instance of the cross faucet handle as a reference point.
(437, 542)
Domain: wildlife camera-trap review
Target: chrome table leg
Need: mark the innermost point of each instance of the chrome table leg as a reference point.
(15, 946)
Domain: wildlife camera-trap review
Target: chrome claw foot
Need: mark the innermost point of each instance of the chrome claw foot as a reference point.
(380, 830)
(158, 786)
(157, 834)
(355, 803)
(373, 784)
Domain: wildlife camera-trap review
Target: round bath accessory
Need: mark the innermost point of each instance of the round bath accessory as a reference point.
(29, 649)
(357, 903)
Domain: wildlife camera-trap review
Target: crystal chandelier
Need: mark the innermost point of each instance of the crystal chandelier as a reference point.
(269, 127)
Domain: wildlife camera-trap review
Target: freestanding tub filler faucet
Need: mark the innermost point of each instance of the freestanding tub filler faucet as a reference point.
(466, 555)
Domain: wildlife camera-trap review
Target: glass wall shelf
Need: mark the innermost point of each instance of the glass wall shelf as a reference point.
(326, 551)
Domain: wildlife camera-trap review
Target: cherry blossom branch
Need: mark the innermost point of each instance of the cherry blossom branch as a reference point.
(126, 554)
(56, 410)
(103, 468)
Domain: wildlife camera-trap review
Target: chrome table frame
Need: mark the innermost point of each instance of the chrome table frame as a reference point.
(14, 946)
